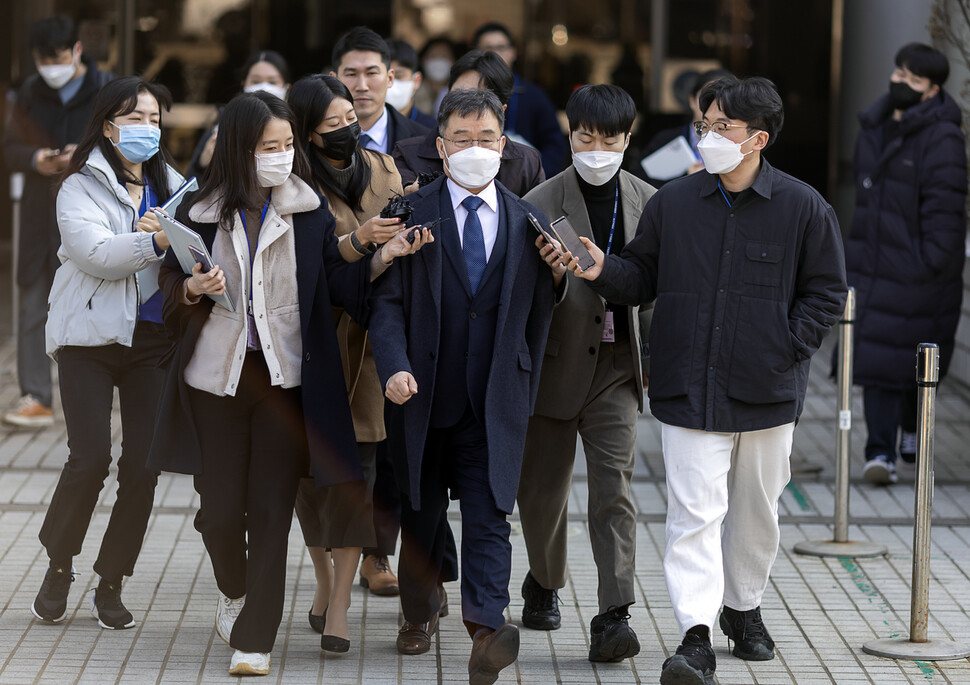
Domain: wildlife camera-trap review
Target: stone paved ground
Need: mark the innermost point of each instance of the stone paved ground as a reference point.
(820, 611)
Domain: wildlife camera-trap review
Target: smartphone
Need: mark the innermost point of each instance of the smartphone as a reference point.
(430, 226)
(570, 239)
(549, 237)
(201, 258)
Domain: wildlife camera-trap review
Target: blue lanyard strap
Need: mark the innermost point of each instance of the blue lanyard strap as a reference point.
(252, 256)
(723, 194)
(147, 200)
(616, 203)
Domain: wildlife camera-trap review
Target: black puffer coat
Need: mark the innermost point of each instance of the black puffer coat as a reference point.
(905, 252)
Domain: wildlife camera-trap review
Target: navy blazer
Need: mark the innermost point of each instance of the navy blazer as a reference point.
(323, 279)
(405, 332)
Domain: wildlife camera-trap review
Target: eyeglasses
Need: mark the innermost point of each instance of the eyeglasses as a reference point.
(719, 127)
(462, 143)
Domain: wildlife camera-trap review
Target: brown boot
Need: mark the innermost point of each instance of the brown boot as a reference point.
(376, 574)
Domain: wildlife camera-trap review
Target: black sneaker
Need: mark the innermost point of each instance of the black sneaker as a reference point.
(50, 605)
(541, 609)
(692, 664)
(751, 639)
(610, 636)
(106, 606)
(907, 446)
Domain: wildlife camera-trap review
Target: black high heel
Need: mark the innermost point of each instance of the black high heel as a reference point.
(332, 643)
(318, 623)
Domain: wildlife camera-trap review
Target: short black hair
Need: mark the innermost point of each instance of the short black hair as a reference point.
(494, 72)
(706, 77)
(924, 61)
(50, 35)
(270, 57)
(755, 101)
(465, 101)
(403, 53)
(360, 38)
(604, 108)
(491, 27)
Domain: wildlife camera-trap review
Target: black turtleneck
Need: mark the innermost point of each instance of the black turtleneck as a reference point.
(599, 206)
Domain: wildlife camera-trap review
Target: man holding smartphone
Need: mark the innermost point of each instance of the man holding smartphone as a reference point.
(592, 382)
(50, 113)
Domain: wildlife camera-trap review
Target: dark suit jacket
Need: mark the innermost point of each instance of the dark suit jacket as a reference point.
(400, 127)
(532, 115)
(521, 169)
(405, 332)
(323, 279)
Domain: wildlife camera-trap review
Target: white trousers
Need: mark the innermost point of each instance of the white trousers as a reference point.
(734, 479)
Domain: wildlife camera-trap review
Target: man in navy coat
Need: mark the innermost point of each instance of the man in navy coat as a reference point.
(458, 335)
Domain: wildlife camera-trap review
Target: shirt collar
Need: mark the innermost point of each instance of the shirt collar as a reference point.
(378, 132)
(761, 185)
(489, 195)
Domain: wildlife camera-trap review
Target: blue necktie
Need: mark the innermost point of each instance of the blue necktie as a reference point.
(368, 142)
(473, 242)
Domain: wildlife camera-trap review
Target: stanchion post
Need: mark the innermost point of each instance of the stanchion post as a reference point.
(840, 545)
(918, 646)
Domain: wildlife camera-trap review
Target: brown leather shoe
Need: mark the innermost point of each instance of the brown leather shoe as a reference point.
(491, 653)
(415, 638)
(376, 574)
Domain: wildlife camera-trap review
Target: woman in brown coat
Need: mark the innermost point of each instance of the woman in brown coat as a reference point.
(357, 184)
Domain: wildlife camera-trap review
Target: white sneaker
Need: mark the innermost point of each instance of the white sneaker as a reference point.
(227, 611)
(880, 471)
(249, 663)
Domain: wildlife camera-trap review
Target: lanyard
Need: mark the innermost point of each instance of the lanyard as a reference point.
(723, 194)
(148, 200)
(616, 203)
(252, 255)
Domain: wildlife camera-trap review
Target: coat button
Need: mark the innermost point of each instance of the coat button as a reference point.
(867, 183)
(431, 355)
(592, 350)
(598, 319)
(267, 347)
(466, 355)
(306, 357)
(473, 315)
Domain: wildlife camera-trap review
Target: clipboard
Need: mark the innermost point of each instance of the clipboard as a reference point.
(173, 202)
(184, 241)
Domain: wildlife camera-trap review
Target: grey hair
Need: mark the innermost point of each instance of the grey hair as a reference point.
(465, 101)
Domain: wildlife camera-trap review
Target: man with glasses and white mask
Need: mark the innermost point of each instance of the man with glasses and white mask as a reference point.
(745, 264)
(592, 385)
(458, 336)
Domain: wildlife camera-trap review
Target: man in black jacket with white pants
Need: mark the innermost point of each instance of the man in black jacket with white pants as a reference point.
(746, 266)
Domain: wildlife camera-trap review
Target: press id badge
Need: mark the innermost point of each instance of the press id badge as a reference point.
(609, 335)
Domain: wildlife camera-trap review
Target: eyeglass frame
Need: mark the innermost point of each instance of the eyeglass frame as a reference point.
(475, 141)
(702, 127)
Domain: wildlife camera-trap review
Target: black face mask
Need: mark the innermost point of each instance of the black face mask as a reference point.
(341, 143)
(901, 96)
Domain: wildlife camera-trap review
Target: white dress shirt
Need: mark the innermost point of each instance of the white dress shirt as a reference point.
(378, 134)
(487, 213)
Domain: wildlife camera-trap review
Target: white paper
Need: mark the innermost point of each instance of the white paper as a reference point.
(670, 161)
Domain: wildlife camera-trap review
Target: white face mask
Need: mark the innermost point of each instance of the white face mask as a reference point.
(271, 88)
(473, 167)
(399, 94)
(272, 168)
(57, 75)
(438, 69)
(596, 167)
(721, 155)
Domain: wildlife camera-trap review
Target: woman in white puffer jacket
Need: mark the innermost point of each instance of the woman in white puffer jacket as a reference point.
(104, 329)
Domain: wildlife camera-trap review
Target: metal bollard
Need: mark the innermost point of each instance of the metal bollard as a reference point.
(918, 646)
(841, 546)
